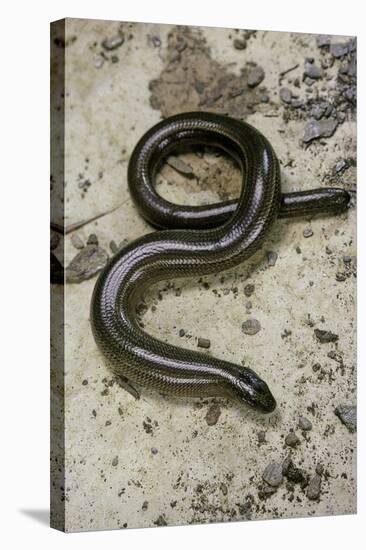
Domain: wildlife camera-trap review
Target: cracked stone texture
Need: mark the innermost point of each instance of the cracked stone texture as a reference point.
(199, 472)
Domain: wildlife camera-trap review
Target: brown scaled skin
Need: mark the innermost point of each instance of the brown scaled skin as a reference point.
(197, 241)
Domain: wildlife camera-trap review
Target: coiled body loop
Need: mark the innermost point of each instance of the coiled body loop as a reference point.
(199, 240)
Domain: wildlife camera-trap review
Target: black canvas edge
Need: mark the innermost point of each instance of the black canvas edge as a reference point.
(57, 310)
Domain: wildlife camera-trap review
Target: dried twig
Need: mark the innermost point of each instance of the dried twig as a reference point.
(282, 73)
(73, 226)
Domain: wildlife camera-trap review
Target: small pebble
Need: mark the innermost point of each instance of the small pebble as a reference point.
(76, 241)
(203, 343)
(309, 81)
(350, 93)
(305, 424)
(352, 45)
(351, 68)
(240, 44)
(319, 128)
(271, 258)
(292, 440)
(273, 474)
(113, 43)
(213, 414)
(113, 246)
(145, 505)
(340, 277)
(313, 71)
(154, 451)
(341, 165)
(296, 103)
(224, 489)
(255, 76)
(338, 50)
(182, 332)
(286, 464)
(308, 232)
(92, 239)
(267, 491)
(99, 61)
(322, 40)
(156, 41)
(261, 437)
(313, 489)
(87, 263)
(317, 111)
(115, 461)
(319, 469)
(348, 415)
(285, 95)
(248, 290)
(329, 110)
(251, 327)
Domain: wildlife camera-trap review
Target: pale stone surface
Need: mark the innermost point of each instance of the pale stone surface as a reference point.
(113, 479)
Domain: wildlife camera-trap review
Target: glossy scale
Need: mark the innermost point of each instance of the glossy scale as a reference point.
(199, 240)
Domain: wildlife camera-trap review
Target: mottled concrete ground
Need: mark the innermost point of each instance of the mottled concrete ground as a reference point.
(161, 461)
